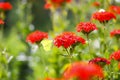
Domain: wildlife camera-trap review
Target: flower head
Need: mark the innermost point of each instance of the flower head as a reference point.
(99, 61)
(55, 3)
(36, 36)
(103, 16)
(114, 9)
(67, 39)
(86, 27)
(115, 55)
(115, 33)
(5, 6)
(83, 71)
(1, 22)
(47, 5)
(96, 4)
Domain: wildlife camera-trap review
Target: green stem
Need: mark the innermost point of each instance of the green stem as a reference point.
(88, 42)
(1, 32)
(103, 45)
(43, 61)
(69, 55)
(52, 19)
(4, 66)
(67, 51)
(106, 3)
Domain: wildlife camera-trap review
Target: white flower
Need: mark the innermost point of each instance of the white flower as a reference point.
(101, 10)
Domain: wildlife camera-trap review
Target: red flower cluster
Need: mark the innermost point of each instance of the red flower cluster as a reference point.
(96, 4)
(99, 61)
(36, 36)
(103, 16)
(115, 33)
(1, 22)
(83, 71)
(115, 55)
(67, 39)
(114, 9)
(55, 3)
(5, 6)
(86, 27)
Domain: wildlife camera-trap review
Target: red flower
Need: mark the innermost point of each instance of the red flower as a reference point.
(103, 16)
(47, 6)
(1, 22)
(55, 3)
(86, 27)
(99, 61)
(115, 33)
(83, 71)
(96, 4)
(114, 9)
(5, 6)
(36, 36)
(67, 39)
(115, 55)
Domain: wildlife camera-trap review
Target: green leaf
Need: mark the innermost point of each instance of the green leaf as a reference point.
(47, 44)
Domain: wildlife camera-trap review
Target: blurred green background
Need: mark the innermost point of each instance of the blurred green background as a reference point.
(28, 62)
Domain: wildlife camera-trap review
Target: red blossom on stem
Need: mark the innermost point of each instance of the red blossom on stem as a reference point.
(86, 27)
(36, 36)
(5, 6)
(67, 39)
(114, 9)
(96, 4)
(47, 5)
(55, 3)
(1, 22)
(103, 16)
(99, 61)
(115, 55)
(83, 71)
(115, 33)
